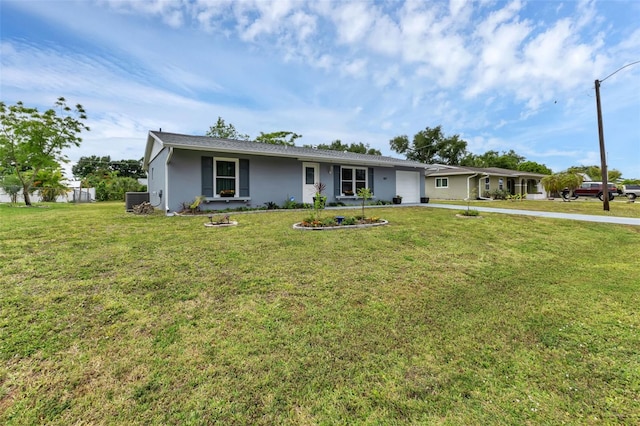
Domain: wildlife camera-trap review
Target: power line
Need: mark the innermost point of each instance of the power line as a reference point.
(620, 69)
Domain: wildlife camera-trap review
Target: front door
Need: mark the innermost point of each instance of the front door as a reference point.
(310, 176)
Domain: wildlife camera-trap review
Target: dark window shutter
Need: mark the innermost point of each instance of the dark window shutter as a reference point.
(371, 179)
(336, 181)
(244, 178)
(207, 176)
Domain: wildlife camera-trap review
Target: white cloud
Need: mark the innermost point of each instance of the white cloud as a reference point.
(385, 37)
(303, 25)
(362, 70)
(270, 17)
(456, 6)
(353, 21)
(385, 76)
(170, 12)
(588, 158)
(356, 67)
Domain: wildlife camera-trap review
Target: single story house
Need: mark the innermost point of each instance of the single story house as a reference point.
(459, 183)
(232, 173)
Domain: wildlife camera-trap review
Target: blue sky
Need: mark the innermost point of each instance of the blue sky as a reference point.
(502, 74)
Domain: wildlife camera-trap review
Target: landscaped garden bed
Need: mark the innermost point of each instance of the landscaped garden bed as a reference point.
(339, 222)
(315, 221)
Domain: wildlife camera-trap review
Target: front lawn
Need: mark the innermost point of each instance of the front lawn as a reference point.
(111, 318)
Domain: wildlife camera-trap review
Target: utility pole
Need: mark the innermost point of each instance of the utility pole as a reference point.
(603, 153)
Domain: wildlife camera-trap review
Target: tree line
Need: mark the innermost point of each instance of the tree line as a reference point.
(111, 179)
(224, 130)
(430, 146)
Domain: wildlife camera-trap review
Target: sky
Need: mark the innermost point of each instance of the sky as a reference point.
(503, 75)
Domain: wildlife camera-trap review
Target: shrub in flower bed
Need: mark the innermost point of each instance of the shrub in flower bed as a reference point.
(312, 222)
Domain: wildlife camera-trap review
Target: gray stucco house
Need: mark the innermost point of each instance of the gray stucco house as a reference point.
(459, 183)
(182, 167)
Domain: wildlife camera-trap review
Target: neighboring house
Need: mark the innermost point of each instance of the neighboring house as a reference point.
(182, 167)
(459, 183)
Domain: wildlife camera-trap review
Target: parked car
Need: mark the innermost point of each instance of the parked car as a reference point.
(631, 191)
(594, 189)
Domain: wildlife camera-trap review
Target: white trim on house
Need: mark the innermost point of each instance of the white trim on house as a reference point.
(354, 179)
(308, 189)
(235, 177)
(442, 182)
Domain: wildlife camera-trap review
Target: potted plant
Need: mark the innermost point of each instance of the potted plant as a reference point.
(227, 193)
(397, 199)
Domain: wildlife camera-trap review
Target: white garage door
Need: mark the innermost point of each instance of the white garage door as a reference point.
(408, 186)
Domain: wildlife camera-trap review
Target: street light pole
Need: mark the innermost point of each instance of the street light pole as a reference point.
(603, 153)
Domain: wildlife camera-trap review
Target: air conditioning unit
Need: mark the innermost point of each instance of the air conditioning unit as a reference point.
(134, 198)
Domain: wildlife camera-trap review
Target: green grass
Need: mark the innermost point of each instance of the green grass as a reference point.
(111, 318)
(619, 207)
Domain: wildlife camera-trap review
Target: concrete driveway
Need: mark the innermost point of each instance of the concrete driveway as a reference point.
(554, 215)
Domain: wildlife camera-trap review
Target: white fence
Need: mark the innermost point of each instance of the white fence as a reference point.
(84, 195)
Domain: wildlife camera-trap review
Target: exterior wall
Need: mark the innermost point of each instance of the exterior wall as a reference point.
(384, 183)
(271, 179)
(457, 189)
(494, 184)
(157, 181)
(278, 179)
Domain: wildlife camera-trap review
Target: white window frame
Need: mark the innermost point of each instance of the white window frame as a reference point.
(442, 182)
(236, 161)
(500, 184)
(487, 184)
(353, 178)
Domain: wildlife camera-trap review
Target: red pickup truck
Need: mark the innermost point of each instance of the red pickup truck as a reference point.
(594, 189)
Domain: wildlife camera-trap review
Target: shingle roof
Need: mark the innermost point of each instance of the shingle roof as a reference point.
(206, 143)
(464, 170)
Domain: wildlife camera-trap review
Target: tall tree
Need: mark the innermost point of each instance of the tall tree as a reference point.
(533, 167)
(91, 165)
(223, 130)
(431, 146)
(595, 173)
(451, 150)
(278, 138)
(507, 160)
(128, 168)
(102, 166)
(358, 148)
(31, 140)
(555, 183)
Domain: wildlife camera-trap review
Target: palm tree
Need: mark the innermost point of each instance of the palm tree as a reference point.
(555, 183)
